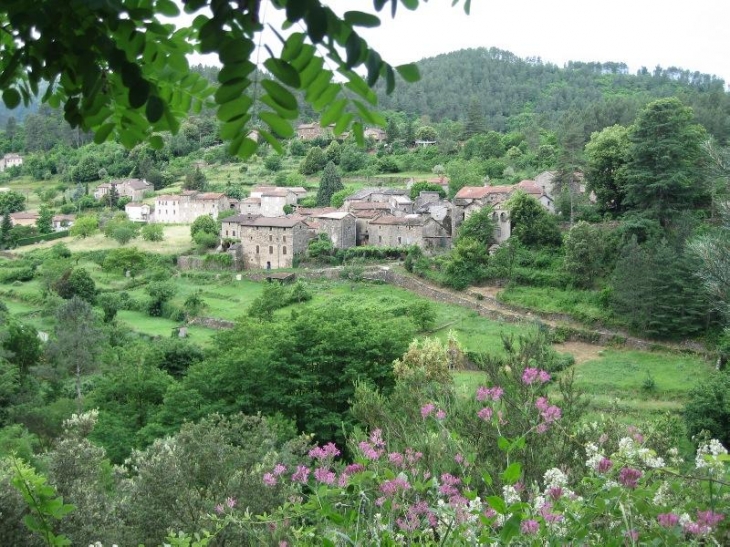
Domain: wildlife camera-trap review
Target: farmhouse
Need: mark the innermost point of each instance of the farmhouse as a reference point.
(393, 231)
(10, 160)
(23, 219)
(133, 189)
(268, 243)
(186, 207)
(137, 211)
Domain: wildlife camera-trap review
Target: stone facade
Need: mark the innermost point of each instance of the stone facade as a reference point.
(10, 160)
(393, 231)
(133, 189)
(341, 227)
(186, 207)
(250, 206)
(267, 243)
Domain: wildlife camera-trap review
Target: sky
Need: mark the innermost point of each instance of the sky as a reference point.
(690, 35)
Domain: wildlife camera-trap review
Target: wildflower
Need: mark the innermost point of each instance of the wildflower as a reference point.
(324, 475)
(322, 452)
(485, 414)
(440, 414)
(354, 468)
(493, 393)
(708, 456)
(629, 477)
(667, 520)
(231, 502)
(552, 414)
(604, 465)
(449, 484)
(632, 535)
(510, 494)
(396, 458)
(369, 451)
(279, 469)
(542, 404)
(532, 375)
(219, 509)
(542, 428)
(709, 518)
(427, 409)
(459, 459)
(301, 474)
(269, 479)
(392, 487)
(529, 527)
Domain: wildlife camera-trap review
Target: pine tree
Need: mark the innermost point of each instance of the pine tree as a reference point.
(475, 122)
(5, 228)
(330, 184)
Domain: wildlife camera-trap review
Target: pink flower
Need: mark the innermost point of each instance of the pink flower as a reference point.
(301, 474)
(667, 520)
(542, 428)
(391, 487)
(279, 469)
(231, 502)
(542, 404)
(629, 477)
(485, 414)
(552, 414)
(532, 375)
(604, 465)
(529, 527)
(440, 414)
(459, 459)
(376, 437)
(709, 518)
(269, 479)
(449, 484)
(322, 452)
(324, 475)
(493, 393)
(555, 492)
(427, 409)
(396, 458)
(354, 468)
(633, 535)
(219, 509)
(369, 451)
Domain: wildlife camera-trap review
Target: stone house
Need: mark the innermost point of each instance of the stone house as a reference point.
(503, 229)
(10, 160)
(138, 212)
(340, 226)
(186, 207)
(309, 131)
(393, 231)
(400, 204)
(22, 218)
(375, 133)
(270, 243)
(63, 222)
(362, 225)
(534, 190)
(373, 195)
(133, 189)
(168, 208)
(250, 206)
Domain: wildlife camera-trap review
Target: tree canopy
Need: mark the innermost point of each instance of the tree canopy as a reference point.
(132, 79)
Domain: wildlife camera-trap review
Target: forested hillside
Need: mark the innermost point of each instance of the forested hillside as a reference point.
(514, 93)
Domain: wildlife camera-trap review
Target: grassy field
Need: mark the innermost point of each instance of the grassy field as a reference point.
(582, 305)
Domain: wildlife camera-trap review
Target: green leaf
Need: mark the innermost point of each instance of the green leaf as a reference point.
(352, 47)
(361, 19)
(138, 93)
(343, 123)
(234, 71)
(333, 113)
(327, 96)
(487, 478)
(283, 71)
(512, 474)
(497, 503)
(234, 109)
(102, 134)
(242, 146)
(389, 79)
(316, 20)
(230, 129)
(280, 94)
(409, 72)
(231, 90)
(410, 4)
(11, 97)
(168, 8)
(510, 529)
(272, 140)
(276, 107)
(277, 124)
(503, 444)
(155, 108)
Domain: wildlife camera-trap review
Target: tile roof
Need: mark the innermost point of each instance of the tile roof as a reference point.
(210, 195)
(336, 215)
(408, 220)
(369, 205)
(479, 192)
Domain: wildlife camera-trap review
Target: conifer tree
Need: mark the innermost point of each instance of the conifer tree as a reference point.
(45, 220)
(330, 184)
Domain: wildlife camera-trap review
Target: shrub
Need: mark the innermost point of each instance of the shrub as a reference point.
(153, 232)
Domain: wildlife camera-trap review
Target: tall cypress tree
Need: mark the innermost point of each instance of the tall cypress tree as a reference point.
(330, 184)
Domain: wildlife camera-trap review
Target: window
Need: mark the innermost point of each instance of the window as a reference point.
(233, 233)
(284, 240)
(399, 241)
(226, 233)
(283, 250)
(257, 249)
(380, 239)
(271, 250)
(271, 238)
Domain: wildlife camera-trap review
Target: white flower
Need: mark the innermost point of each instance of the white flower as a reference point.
(555, 478)
(708, 456)
(661, 497)
(510, 495)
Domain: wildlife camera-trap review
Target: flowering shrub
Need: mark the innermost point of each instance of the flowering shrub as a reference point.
(627, 495)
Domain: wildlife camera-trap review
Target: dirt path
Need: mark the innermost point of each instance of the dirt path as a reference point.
(581, 351)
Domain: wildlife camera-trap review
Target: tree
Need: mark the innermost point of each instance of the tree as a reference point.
(314, 161)
(587, 252)
(24, 346)
(479, 226)
(195, 181)
(11, 202)
(153, 232)
(76, 282)
(475, 122)
(531, 223)
(713, 253)
(5, 227)
(205, 224)
(419, 187)
(462, 173)
(426, 133)
(392, 131)
(77, 342)
(333, 152)
(663, 168)
(329, 185)
(708, 408)
(99, 86)
(84, 226)
(606, 155)
(273, 162)
(467, 263)
(160, 292)
(44, 223)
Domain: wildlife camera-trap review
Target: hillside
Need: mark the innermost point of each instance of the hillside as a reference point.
(511, 92)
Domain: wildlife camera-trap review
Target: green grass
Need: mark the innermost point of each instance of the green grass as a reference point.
(585, 306)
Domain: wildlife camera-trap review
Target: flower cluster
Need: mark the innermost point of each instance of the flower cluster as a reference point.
(535, 375)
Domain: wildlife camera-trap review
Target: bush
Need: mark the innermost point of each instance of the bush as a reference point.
(708, 408)
(153, 232)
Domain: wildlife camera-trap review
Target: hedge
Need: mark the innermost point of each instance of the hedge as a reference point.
(42, 237)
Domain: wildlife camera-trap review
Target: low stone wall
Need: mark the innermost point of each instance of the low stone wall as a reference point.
(213, 323)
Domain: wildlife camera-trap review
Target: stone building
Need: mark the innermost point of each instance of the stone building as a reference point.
(186, 207)
(133, 189)
(531, 188)
(10, 160)
(267, 243)
(393, 231)
(373, 195)
(340, 226)
(250, 206)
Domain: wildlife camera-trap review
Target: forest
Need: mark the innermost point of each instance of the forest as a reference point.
(347, 411)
